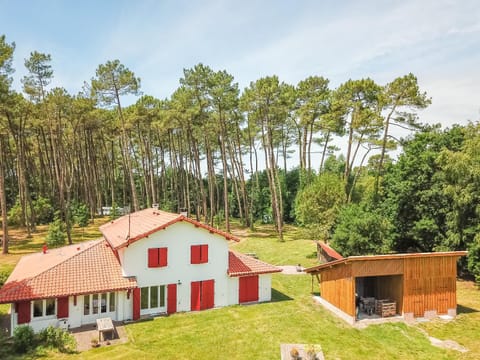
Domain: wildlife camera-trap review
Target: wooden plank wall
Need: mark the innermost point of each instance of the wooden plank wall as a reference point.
(430, 284)
(337, 287)
(390, 287)
(377, 267)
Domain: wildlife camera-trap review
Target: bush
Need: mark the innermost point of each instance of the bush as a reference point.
(3, 277)
(57, 338)
(23, 339)
(81, 214)
(15, 214)
(56, 233)
(44, 212)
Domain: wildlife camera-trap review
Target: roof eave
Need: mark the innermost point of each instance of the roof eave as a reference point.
(245, 273)
(350, 259)
(212, 230)
(54, 296)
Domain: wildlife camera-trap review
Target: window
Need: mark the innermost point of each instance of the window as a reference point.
(112, 302)
(86, 305)
(162, 296)
(198, 254)
(98, 303)
(103, 303)
(95, 304)
(50, 307)
(157, 257)
(44, 307)
(38, 308)
(144, 298)
(152, 297)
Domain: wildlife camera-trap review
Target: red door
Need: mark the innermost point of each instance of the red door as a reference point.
(202, 295)
(195, 295)
(172, 298)
(248, 289)
(208, 294)
(23, 309)
(136, 303)
(62, 307)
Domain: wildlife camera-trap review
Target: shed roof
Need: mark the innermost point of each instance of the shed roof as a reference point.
(85, 268)
(244, 265)
(138, 225)
(350, 259)
(329, 251)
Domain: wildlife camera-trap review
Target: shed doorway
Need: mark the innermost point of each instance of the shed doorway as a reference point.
(379, 296)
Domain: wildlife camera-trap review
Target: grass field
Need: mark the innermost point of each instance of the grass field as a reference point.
(256, 331)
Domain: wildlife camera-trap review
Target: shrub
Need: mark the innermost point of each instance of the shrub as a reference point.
(23, 338)
(56, 233)
(81, 214)
(15, 214)
(44, 212)
(57, 338)
(3, 277)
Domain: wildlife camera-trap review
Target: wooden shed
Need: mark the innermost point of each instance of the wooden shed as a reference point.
(418, 284)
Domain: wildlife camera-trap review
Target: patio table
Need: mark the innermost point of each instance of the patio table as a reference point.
(104, 325)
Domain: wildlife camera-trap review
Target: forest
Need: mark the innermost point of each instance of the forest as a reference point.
(222, 153)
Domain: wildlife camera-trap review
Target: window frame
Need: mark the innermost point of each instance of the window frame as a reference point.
(160, 299)
(44, 308)
(109, 306)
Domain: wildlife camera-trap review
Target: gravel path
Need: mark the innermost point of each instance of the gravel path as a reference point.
(292, 270)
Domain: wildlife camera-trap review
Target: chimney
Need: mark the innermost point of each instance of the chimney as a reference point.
(155, 206)
(183, 211)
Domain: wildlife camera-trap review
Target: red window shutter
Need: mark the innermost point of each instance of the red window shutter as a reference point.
(248, 289)
(163, 256)
(208, 294)
(24, 312)
(153, 257)
(195, 295)
(203, 253)
(62, 311)
(136, 303)
(195, 252)
(171, 298)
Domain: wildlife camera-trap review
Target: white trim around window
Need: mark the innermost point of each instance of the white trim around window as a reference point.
(44, 309)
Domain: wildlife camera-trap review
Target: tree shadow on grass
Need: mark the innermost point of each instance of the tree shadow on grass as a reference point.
(465, 309)
(279, 296)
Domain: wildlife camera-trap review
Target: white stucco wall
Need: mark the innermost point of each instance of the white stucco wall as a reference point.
(178, 238)
(233, 290)
(265, 287)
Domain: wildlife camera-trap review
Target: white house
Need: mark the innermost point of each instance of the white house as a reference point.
(147, 263)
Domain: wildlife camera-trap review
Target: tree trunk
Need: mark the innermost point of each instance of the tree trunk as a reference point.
(3, 197)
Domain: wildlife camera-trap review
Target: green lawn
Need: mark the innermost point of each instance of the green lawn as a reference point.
(256, 331)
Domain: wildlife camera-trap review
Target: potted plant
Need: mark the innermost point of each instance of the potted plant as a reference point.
(294, 354)
(94, 342)
(311, 352)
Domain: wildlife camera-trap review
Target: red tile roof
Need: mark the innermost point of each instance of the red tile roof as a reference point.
(140, 224)
(243, 265)
(329, 251)
(85, 268)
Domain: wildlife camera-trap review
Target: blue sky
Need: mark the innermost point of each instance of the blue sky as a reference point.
(438, 41)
